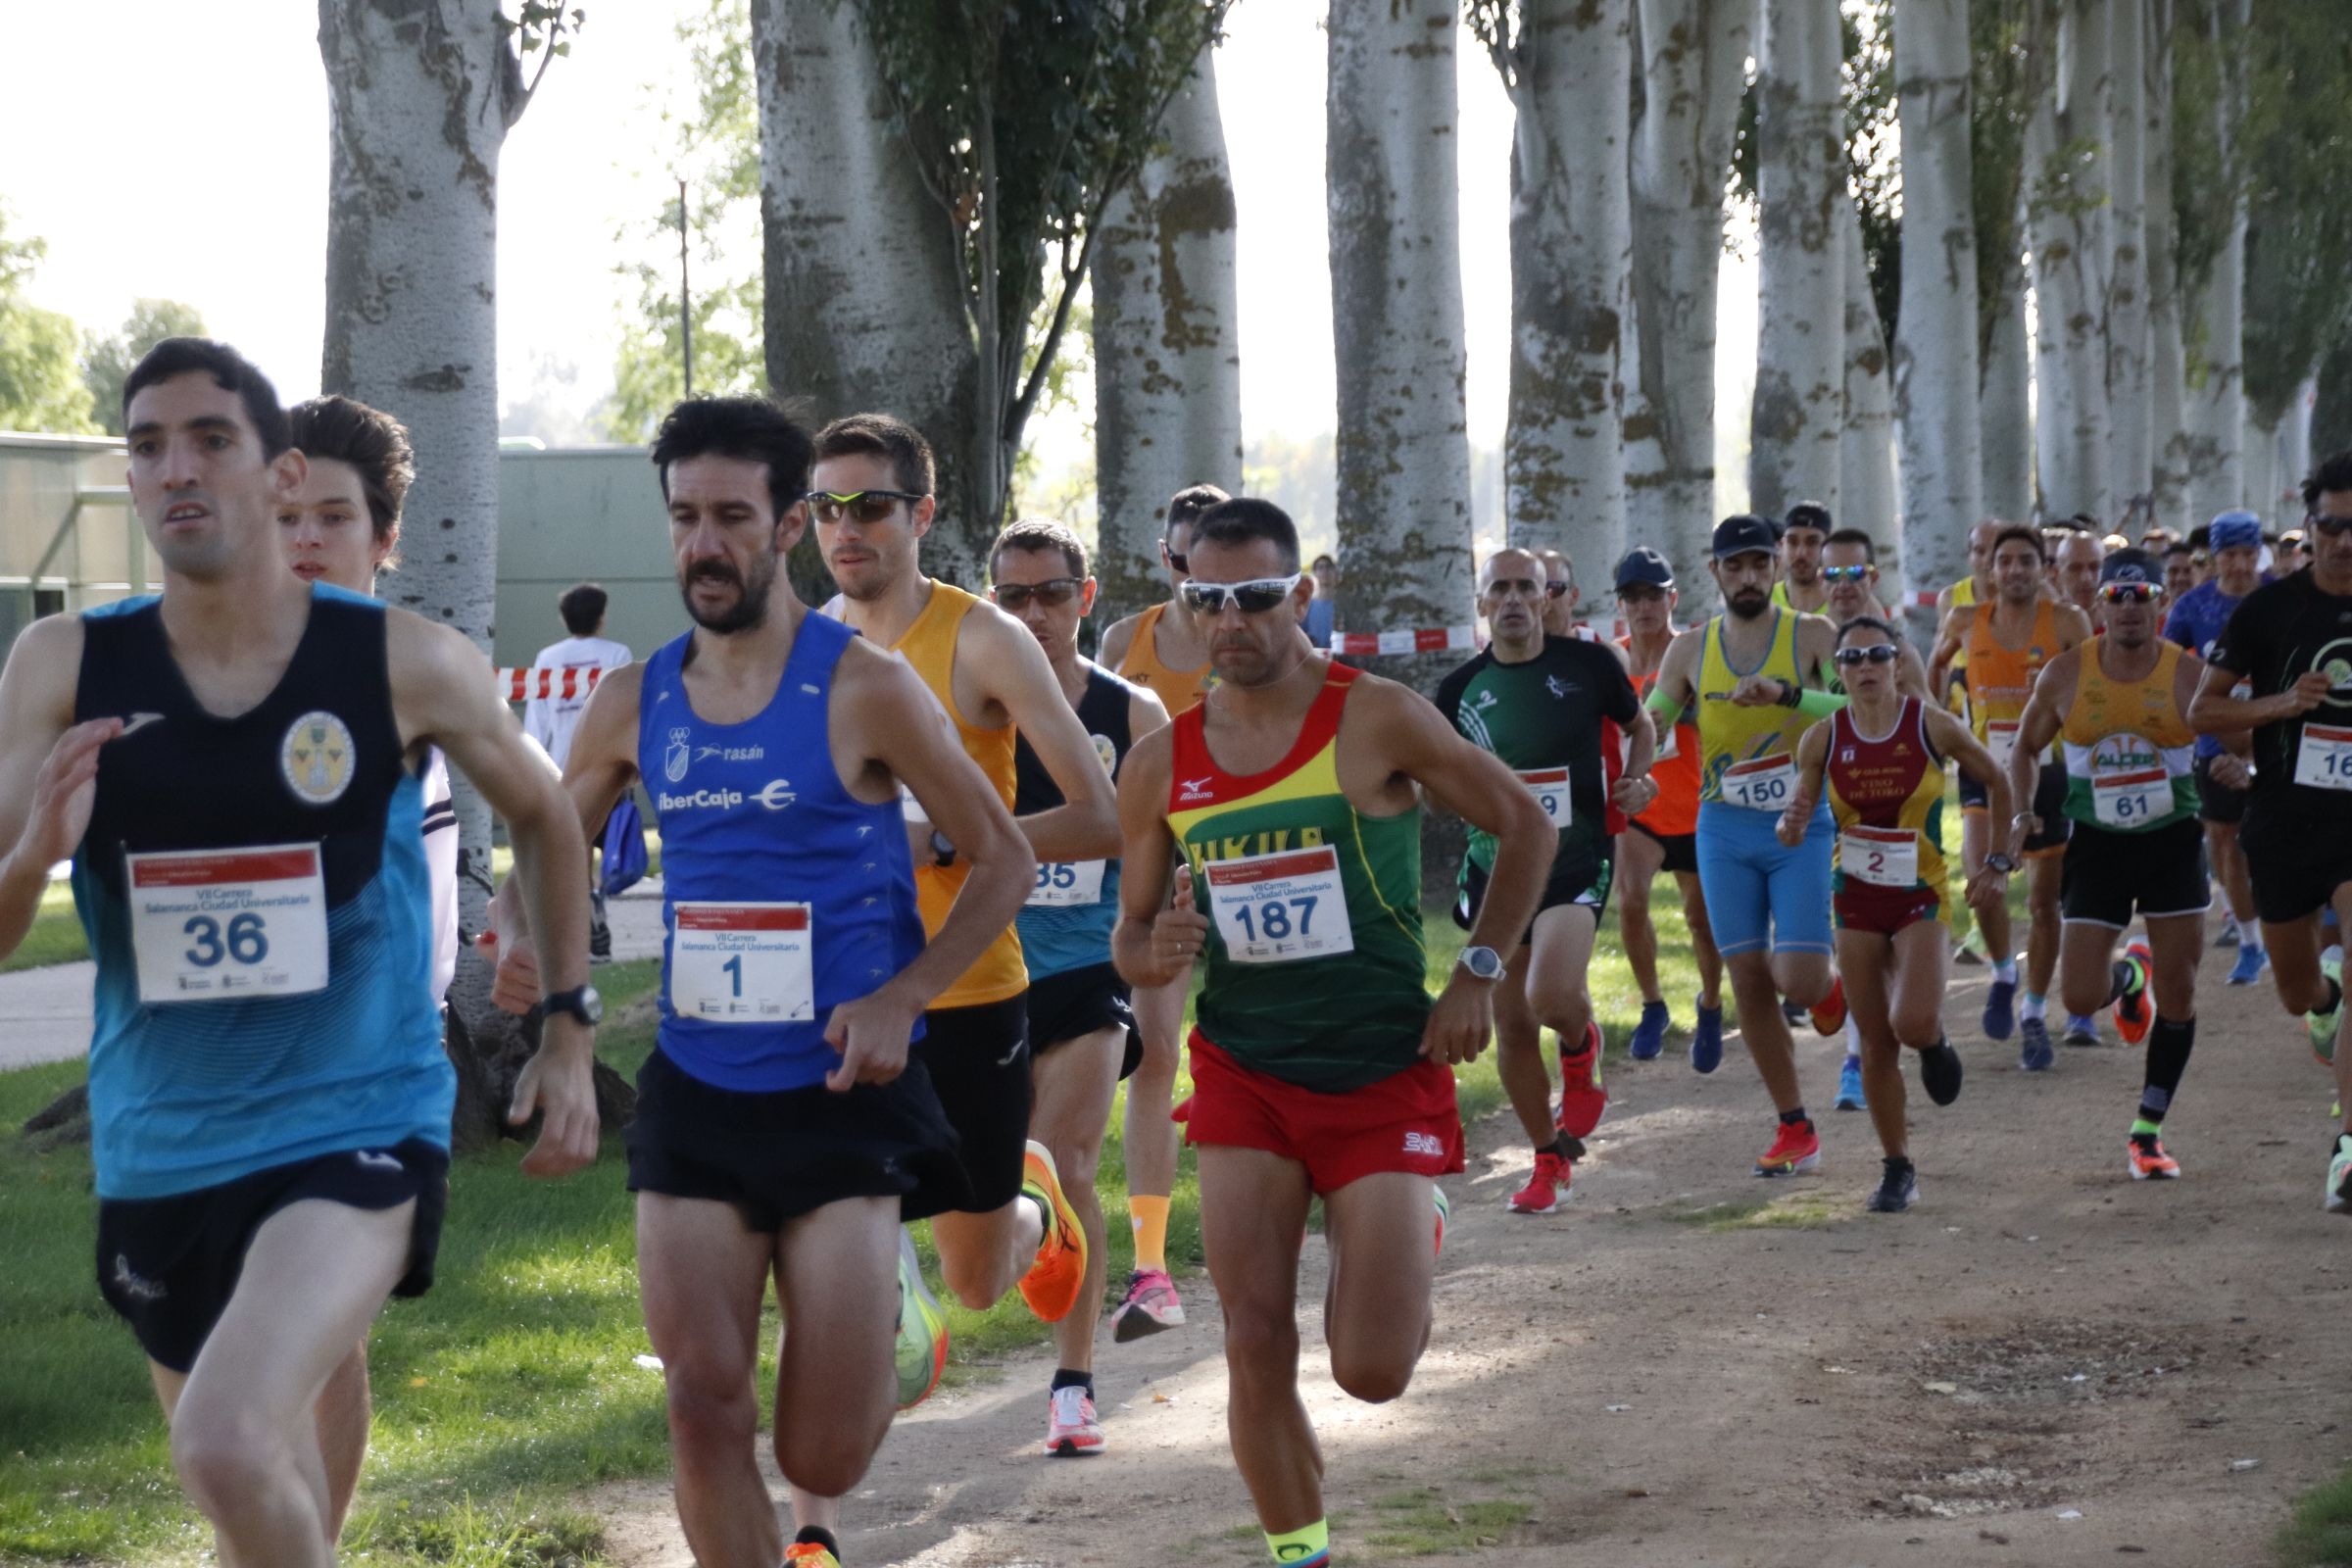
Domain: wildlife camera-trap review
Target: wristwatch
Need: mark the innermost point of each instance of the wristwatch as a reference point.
(2001, 863)
(1483, 963)
(580, 1001)
(942, 853)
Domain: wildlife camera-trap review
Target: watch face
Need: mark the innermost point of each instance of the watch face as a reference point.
(1484, 963)
(592, 1003)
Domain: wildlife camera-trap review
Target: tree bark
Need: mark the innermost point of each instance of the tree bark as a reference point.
(1867, 494)
(1403, 452)
(2168, 481)
(1936, 372)
(1692, 54)
(2067, 150)
(1167, 349)
(2217, 396)
(2005, 405)
(2131, 405)
(1799, 416)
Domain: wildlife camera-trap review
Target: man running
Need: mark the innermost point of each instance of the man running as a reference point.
(872, 504)
(1804, 533)
(2291, 641)
(1559, 592)
(1081, 1028)
(2074, 563)
(2119, 704)
(2196, 622)
(1538, 702)
(1320, 1065)
(1881, 758)
(1663, 837)
(232, 767)
(2006, 641)
(1745, 674)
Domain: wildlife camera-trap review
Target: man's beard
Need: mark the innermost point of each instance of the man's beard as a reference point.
(1747, 604)
(749, 609)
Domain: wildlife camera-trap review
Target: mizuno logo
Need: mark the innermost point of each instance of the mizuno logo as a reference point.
(1194, 789)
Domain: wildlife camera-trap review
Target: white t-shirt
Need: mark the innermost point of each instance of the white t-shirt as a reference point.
(550, 721)
(441, 870)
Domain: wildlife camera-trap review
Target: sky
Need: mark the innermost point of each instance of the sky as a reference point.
(136, 203)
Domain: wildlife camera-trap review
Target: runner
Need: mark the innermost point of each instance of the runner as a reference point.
(1881, 760)
(783, 1124)
(2196, 622)
(1292, 791)
(1977, 587)
(550, 719)
(2118, 703)
(1665, 836)
(1081, 1029)
(2179, 571)
(871, 501)
(1538, 702)
(1802, 535)
(269, 1101)
(2074, 563)
(2006, 641)
(1159, 649)
(1744, 672)
(1560, 591)
(2291, 641)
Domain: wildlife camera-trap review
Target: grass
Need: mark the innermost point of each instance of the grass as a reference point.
(2318, 1535)
(55, 937)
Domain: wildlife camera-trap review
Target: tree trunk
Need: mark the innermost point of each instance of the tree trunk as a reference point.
(866, 304)
(1936, 372)
(1167, 352)
(1692, 54)
(1570, 76)
(2130, 407)
(2168, 482)
(1867, 494)
(2332, 406)
(1403, 453)
(2282, 507)
(2217, 396)
(1799, 413)
(2068, 158)
(2262, 464)
(2005, 405)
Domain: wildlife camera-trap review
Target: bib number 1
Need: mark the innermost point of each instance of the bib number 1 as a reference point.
(2324, 761)
(742, 964)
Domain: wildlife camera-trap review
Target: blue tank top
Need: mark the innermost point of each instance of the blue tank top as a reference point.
(190, 1093)
(1058, 936)
(754, 813)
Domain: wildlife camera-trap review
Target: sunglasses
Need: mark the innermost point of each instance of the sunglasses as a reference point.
(1875, 654)
(1052, 593)
(2127, 592)
(2332, 527)
(859, 505)
(1844, 573)
(1254, 597)
(1180, 563)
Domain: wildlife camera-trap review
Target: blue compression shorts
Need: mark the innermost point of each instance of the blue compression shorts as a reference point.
(1760, 893)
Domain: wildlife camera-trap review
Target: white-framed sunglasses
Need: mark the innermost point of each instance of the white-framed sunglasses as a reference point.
(1255, 597)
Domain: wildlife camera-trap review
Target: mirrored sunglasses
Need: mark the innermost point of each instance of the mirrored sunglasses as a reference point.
(1254, 597)
(1875, 654)
(857, 506)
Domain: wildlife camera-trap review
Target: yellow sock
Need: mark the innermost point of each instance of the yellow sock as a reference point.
(1309, 1547)
(1150, 1218)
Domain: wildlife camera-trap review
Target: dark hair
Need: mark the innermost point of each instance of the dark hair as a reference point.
(885, 436)
(582, 607)
(1807, 515)
(2179, 547)
(1867, 624)
(230, 370)
(752, 428)
(1041, 534)
(1334, 560)
(372, 441)
(2333, 474)
(1855, 537)
(2200, 538)
(1243, 518)
(2019, 530)
(1187, 505)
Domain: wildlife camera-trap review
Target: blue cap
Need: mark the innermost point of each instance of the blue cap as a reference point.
(2233, 530)
(1643, 564)
(1744, 535)
(2131, 566)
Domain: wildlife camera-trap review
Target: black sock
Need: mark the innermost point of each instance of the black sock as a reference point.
(2169, 1045)
(817, 1535)
(1567, 1148)
(2335, 996)
(1064, 1378)
(1897, 1163)
(1794, 1118)
(2118, 979)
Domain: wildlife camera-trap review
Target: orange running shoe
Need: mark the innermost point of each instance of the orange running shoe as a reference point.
(1582, 1098)
(2148, 1160)
(1797, 1148)
(809, 1554)
(1053, 1281)
(1828, 1013)
(2134, 1017)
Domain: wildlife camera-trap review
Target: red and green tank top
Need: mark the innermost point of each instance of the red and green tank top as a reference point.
(1313, 965)
(1887, 795)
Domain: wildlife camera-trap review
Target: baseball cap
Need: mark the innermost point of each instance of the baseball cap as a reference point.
(2131, 566)
(1643, 564)
(1744, 535)
(1807, 515)
(2235, 530)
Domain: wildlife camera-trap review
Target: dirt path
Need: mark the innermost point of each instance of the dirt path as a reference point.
(1666, 1374)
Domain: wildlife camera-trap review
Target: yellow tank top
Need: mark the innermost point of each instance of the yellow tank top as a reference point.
(1177, 689)
(2129, 753)
(929, 645)
(1730, 736)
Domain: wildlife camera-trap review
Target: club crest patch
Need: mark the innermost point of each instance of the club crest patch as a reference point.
(316, 757)
(1107, 752)
(678, 756)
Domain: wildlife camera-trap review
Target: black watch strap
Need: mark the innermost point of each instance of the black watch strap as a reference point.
(580, 1001)
(942, 853)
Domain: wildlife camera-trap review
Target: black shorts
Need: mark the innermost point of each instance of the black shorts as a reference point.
(168, 1265)
(2218, 803)
(2109, 875)
(1580, 879)
(778, 1154)
(1078, 1002)
(2048, 808)
(978, 1058)
(2295, 859)
(1681, 849)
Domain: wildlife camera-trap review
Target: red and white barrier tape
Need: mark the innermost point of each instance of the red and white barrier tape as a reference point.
(547, 680)
(1420, 640)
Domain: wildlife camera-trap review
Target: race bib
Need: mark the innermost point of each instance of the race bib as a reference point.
(1883, 857)
(1765, 784)
(2000, 739)
(2130, 799)
(1280, 908)
(1066, 884)
(2324, 761)
(228, 925)
(742, 964)
(1549, 787)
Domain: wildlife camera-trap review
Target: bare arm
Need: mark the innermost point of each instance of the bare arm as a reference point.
(1111, 652)
(1911, 676)
(1816, 639)
(48, 767)
(2074, 626)
(2214, 712)
(1145, 713)
(1812, 760)
(2237, 744)
(1948, 639)
(1016, 676)
(1955, 740)
(2045, 715)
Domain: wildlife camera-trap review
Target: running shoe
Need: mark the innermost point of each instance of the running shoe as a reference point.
(1850, 1085)
(1070, 1425)
(2251, 961)
(1150, 1305)
(1828, 1013)
(2082, 1030)
(2000, 1009)
(1707, 1039)
(2338, 1199)
(2148, 1160)
(1582, 1098)
(1444, 1212)
(2134, 1017)
(809, 1554)
(2323, 1025)
(1796, 1148)
(1546, 1188)
(1649, 1035)
(922, 1348)
(2033, 1053)
(1898, 1188)
(1053, 1281)
(1793, 1011)
(2230, 936)
(1939, 1071)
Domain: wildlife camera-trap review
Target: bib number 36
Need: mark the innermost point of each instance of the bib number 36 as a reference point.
(228, 925)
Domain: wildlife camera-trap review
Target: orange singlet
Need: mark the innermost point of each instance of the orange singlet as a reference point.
(1675, 811)
(1177, 689)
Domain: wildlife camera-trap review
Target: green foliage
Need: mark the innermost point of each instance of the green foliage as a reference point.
(1873, 170)
(41, 385)
(2298, 64)
(106, 362)
(2009, 71)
